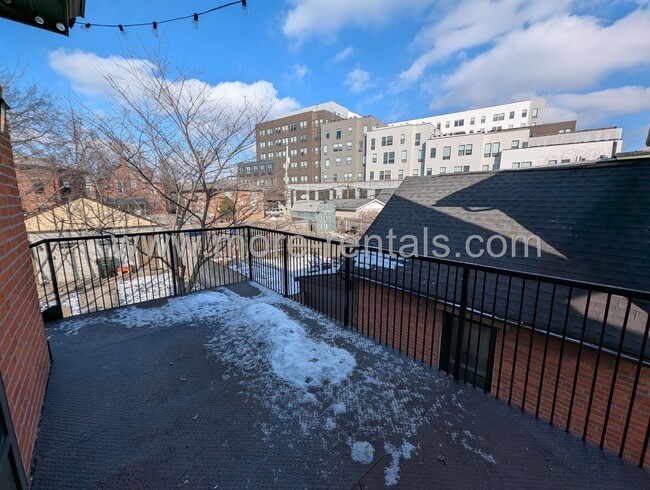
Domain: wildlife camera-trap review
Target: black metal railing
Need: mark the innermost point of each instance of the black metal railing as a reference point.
(570, 352)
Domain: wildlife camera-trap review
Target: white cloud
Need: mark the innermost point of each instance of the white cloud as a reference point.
(88, 72)
(565, 53)
(473, 23)
(358, 80)
(343, 54)
(593, 107)
(325, 18)
(299, 72)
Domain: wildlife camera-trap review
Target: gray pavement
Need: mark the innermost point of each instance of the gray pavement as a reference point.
(185, 393)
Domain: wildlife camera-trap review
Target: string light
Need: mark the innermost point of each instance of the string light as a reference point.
(154, 25)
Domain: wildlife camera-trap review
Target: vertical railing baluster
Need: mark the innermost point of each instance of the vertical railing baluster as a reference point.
(461, 321)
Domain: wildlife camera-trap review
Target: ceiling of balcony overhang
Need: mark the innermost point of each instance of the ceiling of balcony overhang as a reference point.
(50, 12)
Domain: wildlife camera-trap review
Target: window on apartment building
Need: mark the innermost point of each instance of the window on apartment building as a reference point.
(303, 124)
(327, 162)
(461, 150)
(526, 164)
(327, 135)
(303, 137)
(348, 145)
(338, 134)
(458, 168)
(389, 157)
(372, 175)
(552, 162)
(459, 122)
(337, 146)
(415, 172)
(293, 139)
(337, 161)
(468, 149)
(316, 179)
(303, 151)
(487, 150)
(285, 141)
(349, 130)
(347, 177)
(482, 119)
(316, 163)
(119, 187)
(293, 152)
(269, 131)
(534, 114)
(516, 164)
(447, 124)
(496, 149)
(421, 155)
(384, 175)
(37, 187)
(372, 143)
(512, 115)
(365, 129)
(324, 149)
(443, 170)
(437, 125)
(374, 158)
(404, 156)
(565, 160)
(472, 120)
(317, 150)
(402, 138)
(432, 153)
(446, 152)
(386, 141)
(348, 160)
(294, 164)
(293, 127)
(417, 139)
(303, 178)
(263, 144)
(514, 144)
(335, 177)
(429, 171)
(485, 167)
(303, 164)
(524, 113)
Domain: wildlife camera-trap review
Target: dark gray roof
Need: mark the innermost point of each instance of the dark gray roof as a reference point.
(349, 204)
(593, 221)
(385, 195)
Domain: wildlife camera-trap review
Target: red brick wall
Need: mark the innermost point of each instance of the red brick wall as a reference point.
(402, 320)
(621, 398)
(24, 358)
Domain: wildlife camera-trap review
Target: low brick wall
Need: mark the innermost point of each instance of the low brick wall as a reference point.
(408, 323)
(24, 357)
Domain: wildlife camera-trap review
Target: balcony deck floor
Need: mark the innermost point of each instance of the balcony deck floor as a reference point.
(179, 393)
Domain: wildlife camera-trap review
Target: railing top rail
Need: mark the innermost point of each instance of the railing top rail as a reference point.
(131, 234)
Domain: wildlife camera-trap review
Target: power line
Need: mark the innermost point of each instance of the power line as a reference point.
(154, 24)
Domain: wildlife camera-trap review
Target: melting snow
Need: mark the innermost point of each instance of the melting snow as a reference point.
(363, 452)
(295, 357)
(391, 472)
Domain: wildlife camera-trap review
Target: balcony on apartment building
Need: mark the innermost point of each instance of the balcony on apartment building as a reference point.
(248, 357)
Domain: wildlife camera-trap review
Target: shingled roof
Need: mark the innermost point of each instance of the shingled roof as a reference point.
(593, 224)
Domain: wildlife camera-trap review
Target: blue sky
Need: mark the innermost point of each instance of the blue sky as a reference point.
(395, 59)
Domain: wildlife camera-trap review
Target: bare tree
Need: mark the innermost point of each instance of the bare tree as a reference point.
(184, 138)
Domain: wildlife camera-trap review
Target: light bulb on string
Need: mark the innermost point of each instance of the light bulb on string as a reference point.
(125, 35)
(86, 27)
(244, 7)
(195, 21)
(154, 29)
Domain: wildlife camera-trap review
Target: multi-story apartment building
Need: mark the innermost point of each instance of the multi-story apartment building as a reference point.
(294, 139)
(397, 151)
(343, 148)
(505, 116)
(263, 173)
(518, 148)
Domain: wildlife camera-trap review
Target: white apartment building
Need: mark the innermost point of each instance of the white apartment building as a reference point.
(394, 152)
(505, 116)
(419, 149)
(519, 148)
